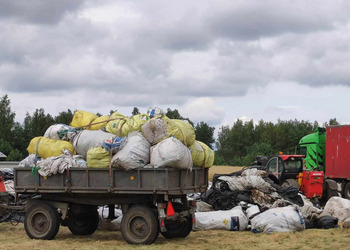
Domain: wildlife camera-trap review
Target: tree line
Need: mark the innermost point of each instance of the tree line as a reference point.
(236, 145)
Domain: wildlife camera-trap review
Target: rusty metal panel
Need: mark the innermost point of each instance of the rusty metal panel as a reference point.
(338, 151)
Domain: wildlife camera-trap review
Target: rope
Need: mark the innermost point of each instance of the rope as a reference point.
(95, 123)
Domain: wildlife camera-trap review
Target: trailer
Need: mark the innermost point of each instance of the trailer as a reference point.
(152, 200)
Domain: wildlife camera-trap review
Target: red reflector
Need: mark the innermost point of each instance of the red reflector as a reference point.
(170, 210)
(193, 220)
(2, 185)
(163, 224)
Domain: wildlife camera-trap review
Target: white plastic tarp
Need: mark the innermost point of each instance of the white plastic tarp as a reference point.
(281, 219)
(231, 220)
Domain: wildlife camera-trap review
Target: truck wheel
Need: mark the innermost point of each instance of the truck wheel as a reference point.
(347, 191)
(290, 182)
(176, 229)
(41, 221)
(83, 225)
(139, 225)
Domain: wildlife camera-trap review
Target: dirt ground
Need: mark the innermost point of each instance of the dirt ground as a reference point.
(14, 237)
(222, 170)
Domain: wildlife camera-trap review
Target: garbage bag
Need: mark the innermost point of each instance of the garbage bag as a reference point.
(82, 118)
(248, 182)
(29, 161)
(53, 131)
(337, 206)
(326, 222)
(107, 224)
(116, 123)
(171, 153)
(99, 122)
(126, 125)
(202, 155)
(134, 154)
(281, 219)
(97, 158)
(87, 139)
(114, 144)
(154, 112)
(158, 129)
(48, 147)
(231, 220)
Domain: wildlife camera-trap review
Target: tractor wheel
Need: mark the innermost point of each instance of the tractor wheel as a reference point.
(290, 182)
(346, 191)
(177, 229)
(139, 225)
(41, 221)
(83, 225)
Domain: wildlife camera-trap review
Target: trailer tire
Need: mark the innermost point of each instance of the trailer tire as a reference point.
(83, 225)
(290, 182)
(41, 221)
(178, 229)
(139, 225)
(347, 191)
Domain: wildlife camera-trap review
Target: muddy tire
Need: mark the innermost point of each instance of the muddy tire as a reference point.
(346, 191)
(139, 225)
(290, 182)
(83, 225)
(41, 221)
(176, 229)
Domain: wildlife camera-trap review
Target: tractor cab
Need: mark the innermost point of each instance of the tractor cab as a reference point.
(286, 168)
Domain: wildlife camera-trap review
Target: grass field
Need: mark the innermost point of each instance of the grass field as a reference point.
(14, 237)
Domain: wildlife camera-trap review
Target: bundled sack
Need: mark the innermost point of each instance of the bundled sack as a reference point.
(122, 127)
(114, 144)
(248, 182)
(171, 153)
(338, 207)
(48, 147)
(281, 219)
(158, 129)
(55, 165)
(82, 118)
(99, 122)
(202, 155)
(87, 139)
(154, 112)
(97, 158)
(29, 161)
(231, 220)
(134, 154)
(53, 131)
(115, 124)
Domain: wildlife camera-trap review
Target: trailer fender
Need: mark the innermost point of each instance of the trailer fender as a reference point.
(333, 185)
(62, 206)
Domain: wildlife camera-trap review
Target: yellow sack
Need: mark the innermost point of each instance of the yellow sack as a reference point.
(202, 155)
(101, 122)
(158, 129)
(133, 124)
(82, 118)
(48, 147)
(97, 158)
(114, 127)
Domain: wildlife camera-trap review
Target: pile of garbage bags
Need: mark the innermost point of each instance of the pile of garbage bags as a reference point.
(250, 200)
(144, 140)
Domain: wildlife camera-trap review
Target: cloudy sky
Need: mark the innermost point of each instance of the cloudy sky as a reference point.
(214, 61)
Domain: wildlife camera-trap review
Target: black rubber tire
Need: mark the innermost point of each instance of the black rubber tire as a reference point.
(329, 193)
(290, 182)
(346, 191)
(41, 221)
(139, 226)
(178, 229)
(83, 225)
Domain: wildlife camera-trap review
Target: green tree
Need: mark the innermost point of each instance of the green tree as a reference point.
(174, 114)
(135, 111)
(205, 133)
(64, 117)
(37, 124)
(333, 121)
(7, 118)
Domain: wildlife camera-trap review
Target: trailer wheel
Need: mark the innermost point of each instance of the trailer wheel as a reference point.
(290, 182)
(139, 225)
(83, 225)
(41, 221)
(347, 191)
(176, 229)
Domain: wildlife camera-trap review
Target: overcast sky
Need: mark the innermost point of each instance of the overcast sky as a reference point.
(214, 61)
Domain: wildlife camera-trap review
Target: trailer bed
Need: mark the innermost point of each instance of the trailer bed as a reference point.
(98, 180)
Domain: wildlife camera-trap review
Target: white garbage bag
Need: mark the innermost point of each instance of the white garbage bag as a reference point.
(281, 219)
(248, 182)
(134, 154)
(231, 220)
(53, 130)
(107, 224)
(338, 207)
(171, 153)
(87, 139)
